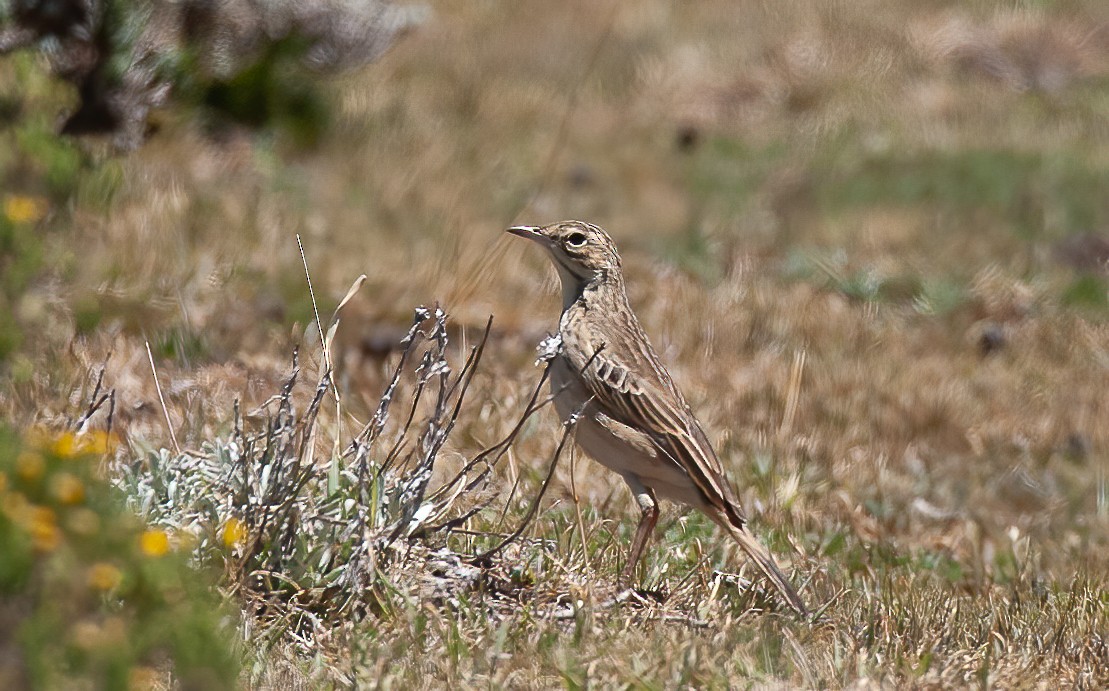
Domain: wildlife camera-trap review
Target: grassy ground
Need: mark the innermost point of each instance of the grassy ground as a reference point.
(869, 239)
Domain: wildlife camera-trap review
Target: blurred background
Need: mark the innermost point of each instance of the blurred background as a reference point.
(870, 239)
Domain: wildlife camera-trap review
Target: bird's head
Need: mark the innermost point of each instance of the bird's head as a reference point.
(582, 252)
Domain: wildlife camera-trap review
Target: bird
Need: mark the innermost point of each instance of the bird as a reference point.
(627, 413)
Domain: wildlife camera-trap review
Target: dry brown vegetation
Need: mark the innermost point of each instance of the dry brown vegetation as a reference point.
(869, 239)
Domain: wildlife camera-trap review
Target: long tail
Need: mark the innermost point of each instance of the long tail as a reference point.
(762, 558)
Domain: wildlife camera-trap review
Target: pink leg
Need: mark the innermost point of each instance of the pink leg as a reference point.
(648, 507)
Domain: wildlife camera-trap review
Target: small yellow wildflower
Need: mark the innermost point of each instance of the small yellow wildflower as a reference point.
(70, 445)
(23, 209)
(154, 543)
(233, 532)
(66, 445)
(66, 488)
(29, 465)
(104, 576)
(45, 535)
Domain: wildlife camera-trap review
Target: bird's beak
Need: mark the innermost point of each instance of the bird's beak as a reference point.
(529, 232)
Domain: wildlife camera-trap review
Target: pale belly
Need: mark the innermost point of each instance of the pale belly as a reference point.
(630, 454)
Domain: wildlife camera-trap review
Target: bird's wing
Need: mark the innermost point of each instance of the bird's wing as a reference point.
(651, 403)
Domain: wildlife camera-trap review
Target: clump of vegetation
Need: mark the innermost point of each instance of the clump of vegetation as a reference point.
(39, 172)
(245, 62)
(313, 543)
(19, 260)
(89, 594)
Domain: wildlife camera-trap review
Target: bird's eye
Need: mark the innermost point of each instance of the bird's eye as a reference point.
(575, 239)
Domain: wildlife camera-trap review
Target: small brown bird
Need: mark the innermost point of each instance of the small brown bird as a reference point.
(632, 418)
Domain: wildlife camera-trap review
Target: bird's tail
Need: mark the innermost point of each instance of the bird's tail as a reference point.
(762, 558)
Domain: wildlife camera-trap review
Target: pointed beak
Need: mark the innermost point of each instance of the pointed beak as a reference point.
(529, 232)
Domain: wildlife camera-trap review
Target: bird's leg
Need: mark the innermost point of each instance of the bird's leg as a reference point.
(648, 507)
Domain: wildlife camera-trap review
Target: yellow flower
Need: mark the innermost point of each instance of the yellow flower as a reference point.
(70, 445)
(22, 209)
(45, 535)
(66, 488)
(66, 445)
(104, 576)
(233, 532)
(29, 465)
(154, 543)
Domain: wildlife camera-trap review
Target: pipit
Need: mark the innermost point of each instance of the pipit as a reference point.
(629, 414)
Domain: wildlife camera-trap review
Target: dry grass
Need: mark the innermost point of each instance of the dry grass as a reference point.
(845, 227)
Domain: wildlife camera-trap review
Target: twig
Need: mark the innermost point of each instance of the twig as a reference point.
(95, 401)
(325, 346)
(567, 431)
(162, 400)
(312, 296)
